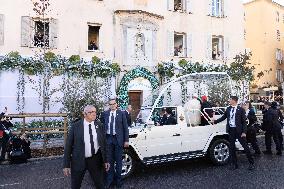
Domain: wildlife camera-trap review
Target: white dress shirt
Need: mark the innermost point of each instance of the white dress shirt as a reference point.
(232, 121)
(88, 151)
(109, 120)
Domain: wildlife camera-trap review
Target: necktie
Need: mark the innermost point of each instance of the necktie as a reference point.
(91, 140)
(111, 124)
(232, 113)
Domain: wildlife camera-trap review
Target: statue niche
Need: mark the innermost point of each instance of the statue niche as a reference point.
(139, 45)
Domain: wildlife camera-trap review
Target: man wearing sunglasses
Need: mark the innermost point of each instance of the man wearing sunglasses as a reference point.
(116, 130)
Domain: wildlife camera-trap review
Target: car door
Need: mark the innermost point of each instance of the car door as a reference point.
(160, 140)
(195, 138)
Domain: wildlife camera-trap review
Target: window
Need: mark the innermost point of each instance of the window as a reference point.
(179, 45)
(278, 35)
(38, 33)
(277, 16)
(164, 116)
(279, 56)
(217, 8)
(217, 47)
(279, 75)
(93, 37)
(41, 34)
(178, 5)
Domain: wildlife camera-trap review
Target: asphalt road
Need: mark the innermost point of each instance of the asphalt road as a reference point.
(45, 174)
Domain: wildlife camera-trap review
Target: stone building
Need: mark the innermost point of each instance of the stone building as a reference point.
(264, 32)
(134, 33)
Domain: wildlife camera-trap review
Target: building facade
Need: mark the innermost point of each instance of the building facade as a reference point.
(130, 32)
(264, 37)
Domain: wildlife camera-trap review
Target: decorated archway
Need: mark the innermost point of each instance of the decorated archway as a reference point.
(122, 93)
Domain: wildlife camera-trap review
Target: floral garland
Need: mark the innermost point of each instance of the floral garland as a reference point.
(59, 65)
(239, 70)
(123, 87)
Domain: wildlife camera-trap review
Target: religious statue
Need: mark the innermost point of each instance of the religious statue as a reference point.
(139, 45)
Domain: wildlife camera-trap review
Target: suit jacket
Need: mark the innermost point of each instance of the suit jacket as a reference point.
(170, 120)
(271, 120)
(74, 151)
(121, 126)
(240, 119)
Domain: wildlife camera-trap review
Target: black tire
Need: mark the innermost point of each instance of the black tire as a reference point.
(219, 152)
(129, 162)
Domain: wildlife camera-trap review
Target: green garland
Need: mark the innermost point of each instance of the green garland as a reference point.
(123, 87)
(59, 65)
(240, 69)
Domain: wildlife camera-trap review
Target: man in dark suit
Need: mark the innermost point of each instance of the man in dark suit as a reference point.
(117, 135)
(169, 119)
(128, 115)
(272, 128)
(85, 149)
(236, 128)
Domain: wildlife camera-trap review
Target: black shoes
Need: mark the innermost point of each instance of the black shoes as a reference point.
(279, 153)
(268, 152)
(251, 167)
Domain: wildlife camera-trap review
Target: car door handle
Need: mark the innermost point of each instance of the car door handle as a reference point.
(177, 134)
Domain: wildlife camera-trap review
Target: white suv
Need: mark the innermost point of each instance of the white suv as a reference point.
(151, 143)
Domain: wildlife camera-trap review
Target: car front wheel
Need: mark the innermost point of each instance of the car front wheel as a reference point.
(129, 163)
(219, 152)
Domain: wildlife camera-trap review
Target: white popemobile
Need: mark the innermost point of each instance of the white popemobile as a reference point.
(150, 143)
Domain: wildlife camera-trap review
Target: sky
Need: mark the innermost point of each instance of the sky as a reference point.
(281, 2)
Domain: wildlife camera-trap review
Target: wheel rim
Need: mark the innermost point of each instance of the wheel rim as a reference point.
(221, 152)
(126, 164)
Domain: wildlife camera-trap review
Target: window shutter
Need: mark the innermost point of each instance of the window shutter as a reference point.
(208, 52)
(226, 48)
(53, 32)
(188, 5)
(1, 29)
(170, 43)
(170, 5)
(100, 40)
(26, 27)
(210, 7)
(189, 45)
(225, 7)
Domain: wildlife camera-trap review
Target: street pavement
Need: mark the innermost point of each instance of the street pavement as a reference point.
(199, 173)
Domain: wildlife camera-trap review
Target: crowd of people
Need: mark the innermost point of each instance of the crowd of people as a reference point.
(242, 125)
(94, 142)
(14, 147)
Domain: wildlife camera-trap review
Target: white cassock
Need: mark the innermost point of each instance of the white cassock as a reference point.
(192, 111)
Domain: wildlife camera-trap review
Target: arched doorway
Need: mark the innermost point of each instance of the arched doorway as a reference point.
(138, 74)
